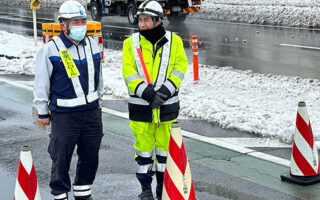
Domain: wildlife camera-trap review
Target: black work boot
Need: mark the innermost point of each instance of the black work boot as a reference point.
(159, 187)
(146, 193)
(159, 191)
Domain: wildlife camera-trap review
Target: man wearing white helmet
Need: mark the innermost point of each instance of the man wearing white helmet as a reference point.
(68, 87)
(153, 107)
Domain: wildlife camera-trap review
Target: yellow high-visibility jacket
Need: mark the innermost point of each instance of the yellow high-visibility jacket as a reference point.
(164, 77)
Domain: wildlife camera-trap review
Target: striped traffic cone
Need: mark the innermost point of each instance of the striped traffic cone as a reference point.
(178, 184)
(26, 185)
(304, 167)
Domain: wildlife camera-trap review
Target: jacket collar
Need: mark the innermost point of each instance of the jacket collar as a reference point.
(68, 43)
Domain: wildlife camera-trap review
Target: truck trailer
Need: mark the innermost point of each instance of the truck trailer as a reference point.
(175, 10)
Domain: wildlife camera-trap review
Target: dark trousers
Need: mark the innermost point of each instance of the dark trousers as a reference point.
(84, 129)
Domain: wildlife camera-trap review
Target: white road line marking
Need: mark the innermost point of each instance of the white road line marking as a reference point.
(16, 84)
(300, 46)
(220, 142)
(114, 112)
(237, 148)
(255, 142)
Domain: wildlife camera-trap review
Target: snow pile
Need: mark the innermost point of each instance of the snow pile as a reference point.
(261, 104)
(299, 3)
(273, 14)
(17, 53)
(257, 103)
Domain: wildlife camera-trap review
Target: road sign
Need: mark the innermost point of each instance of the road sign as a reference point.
(35, 4)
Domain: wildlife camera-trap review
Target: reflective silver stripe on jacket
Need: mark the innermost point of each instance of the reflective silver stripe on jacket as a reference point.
(141, 88)
(162, 76)
(81, 190)
(135, 45)
(131, 78)
(92, 96)
(178, 74)
(139, 101)
(144, 154)
(160, 167)
(170, 87)
(91, 70)
(143, 169)
(164, 58)
(71, 102)
(81, 98)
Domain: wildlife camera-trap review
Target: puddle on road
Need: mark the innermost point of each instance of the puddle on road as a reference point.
(7, 184)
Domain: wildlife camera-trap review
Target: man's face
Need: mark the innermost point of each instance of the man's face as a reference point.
(146, 23)
(73, 22)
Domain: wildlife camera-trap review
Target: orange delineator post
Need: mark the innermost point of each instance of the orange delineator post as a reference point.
(143, 66)
(195, 57)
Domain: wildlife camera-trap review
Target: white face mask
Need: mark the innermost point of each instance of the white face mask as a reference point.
(78, 32)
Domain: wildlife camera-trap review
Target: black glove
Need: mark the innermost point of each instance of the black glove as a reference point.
(148, 93)
(164, 90)
(158, 100)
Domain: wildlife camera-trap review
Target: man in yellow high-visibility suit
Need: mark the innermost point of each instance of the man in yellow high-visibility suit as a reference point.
(153, 107)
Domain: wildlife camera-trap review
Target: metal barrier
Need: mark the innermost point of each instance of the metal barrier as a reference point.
(93, 30)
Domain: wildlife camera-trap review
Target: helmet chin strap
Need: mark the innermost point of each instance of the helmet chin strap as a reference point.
(68, 26)
(154, 21)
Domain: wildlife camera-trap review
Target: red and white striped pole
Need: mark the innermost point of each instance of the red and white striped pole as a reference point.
(304, 167)
(100, 42)
(26, 185)
(195, 57)
(178, 184)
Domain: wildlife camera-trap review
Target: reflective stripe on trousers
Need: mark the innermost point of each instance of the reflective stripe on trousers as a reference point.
(63, 196)
(150, 136)
(81, 190)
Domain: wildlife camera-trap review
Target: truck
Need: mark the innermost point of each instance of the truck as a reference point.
(175, 10)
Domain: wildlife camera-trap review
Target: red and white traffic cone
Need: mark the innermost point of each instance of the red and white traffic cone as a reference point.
(304, 167)
(26, 185)
(178, 184)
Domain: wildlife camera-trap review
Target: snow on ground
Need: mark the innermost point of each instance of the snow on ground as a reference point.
(298, 13)
(293, 16)
(261, 104)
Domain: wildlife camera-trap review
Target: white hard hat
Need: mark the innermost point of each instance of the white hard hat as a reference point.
(150, 8)
(71, 9)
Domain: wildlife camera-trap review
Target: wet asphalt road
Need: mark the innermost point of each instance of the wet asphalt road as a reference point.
(217, 173)
(262, 49)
